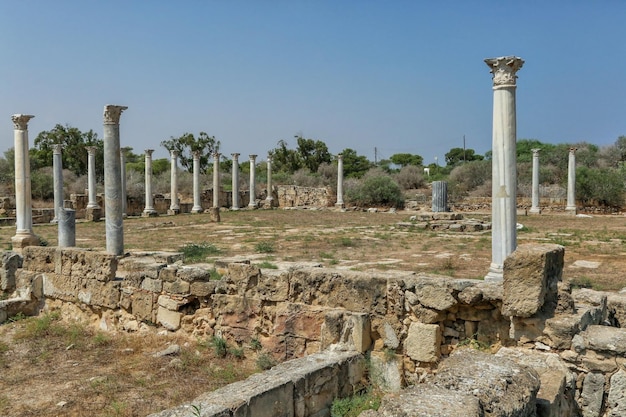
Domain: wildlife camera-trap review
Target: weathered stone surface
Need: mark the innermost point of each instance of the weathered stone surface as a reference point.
(142, 306)
(171, 303)
(426, 400)
(168, 274)
(616, 402)
(557, 395)
(531, 276)
(101, 294)
(423, 342)
(386, 371)
(272, 285)
(606, 339)
(503, 387)
(63, 287)
(154, 285)
(192, 273)
(616, 306)
(390, 337)
(177, 287)
(202, 289)
(351, 290)
(9, 263)
(592, 394)
(39, 258)
(169, 319)
(437, 297)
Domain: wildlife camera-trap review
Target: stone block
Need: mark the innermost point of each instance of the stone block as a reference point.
(9, 264)
(592, 395)
(616, 401)
(170, 303)
(616, 306)
(428, 400)
(531, 276)
(387, 371)
(169, 319)
(605, 339)
(423, 342)
(437, 296)
(168, 274)
(101, 294)
(154, 285)
(142, 306)
(63, 287)
(39, 258)
(202, 289)
(177, 287)
(192, 273)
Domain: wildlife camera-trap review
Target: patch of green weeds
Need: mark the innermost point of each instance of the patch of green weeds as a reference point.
(214, 275)
(220, 347)
(333, 262)
(267, 265)
(346, 242)
(326, 255)
(472, 343)
(236, 352)
(264, 247)
(581, 282)
(19, 316)
(255, 344)
(264, 361)
(355, 405)
(198, 252)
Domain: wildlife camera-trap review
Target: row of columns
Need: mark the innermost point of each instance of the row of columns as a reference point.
(571, 183)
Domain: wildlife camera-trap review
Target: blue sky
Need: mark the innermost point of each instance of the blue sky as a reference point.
(398, 76)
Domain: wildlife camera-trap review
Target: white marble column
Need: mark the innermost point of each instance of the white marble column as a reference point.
(24, 235)
(174, 206)
(339, 202)
(92, 204)
(123, 177)
(235, 177)
(270, 197)
(504, 172)
(148, 210)
(252, 190)
(57, 167)
(112, 180)
(197, 202)
(216, 180)
(534, 208)
(571, 182)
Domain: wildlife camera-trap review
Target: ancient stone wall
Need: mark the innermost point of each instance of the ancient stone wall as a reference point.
(296, 196)
(408, 323)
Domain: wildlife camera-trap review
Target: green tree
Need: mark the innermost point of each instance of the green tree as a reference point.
(285, 159)
(354, 165)
(458, 155)
(313, 153)
(405, 159)
(377, 189)
(188, 143)
(74, 155)
(604, 186)
(7, 167)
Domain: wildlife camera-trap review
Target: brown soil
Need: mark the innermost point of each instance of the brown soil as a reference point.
(104, 374)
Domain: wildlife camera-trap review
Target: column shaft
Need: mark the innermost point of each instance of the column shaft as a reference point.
(339, 202)
(270, 197)
(123, 177)
(113, 181)
(252, 188)
(534, 208)
(148, 210)
(197, 202)
(57, 167)
(235, 178)
(571, 182)
(439, 196)
(216, 180)
(174, 206)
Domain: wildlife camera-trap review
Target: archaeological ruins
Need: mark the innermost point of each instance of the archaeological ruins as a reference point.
(555, 351)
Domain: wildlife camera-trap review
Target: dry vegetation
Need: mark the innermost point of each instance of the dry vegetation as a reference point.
(47, 361)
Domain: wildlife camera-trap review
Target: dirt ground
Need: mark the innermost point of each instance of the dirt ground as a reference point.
(60, 369)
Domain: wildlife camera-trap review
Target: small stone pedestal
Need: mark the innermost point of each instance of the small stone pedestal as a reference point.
(93, 214)
(20, 241)
(214, 214)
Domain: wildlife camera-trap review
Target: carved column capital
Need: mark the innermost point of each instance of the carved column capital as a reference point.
(235, 156)
(148, 152)
(174, 154)
(196, 154)
(339, 157)
(56, 148)
(504, 70)
(269, 159)
(20, 121)
(91, 150)
(253, 157)
(572, 150)
(535, 151)
(216, 156)
(112, 114)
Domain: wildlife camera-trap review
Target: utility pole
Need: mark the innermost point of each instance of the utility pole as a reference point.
(375, 155)
(464, 149)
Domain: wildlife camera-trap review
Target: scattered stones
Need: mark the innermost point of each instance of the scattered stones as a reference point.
(168, 351)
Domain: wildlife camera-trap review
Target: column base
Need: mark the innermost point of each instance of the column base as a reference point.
(534, 210)
(93, 214)
(571, 210)
(495, 274)
(173, 212)
(149, 213)
(196, 210)
(54, 221)
(21, 240)
(340, 205)
(253, 206)
(234, 208)
(215, 214)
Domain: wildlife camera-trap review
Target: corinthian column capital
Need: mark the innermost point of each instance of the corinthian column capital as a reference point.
(504, 70)
(20, 121)
(112, 114)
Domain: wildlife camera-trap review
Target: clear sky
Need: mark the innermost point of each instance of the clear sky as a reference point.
(398, 76)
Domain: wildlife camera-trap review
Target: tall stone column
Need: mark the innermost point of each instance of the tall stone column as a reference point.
(148, 210)
(57, 167)
(174, 206)
(534, 208)
(270, 197)
(571, 182)
(24, 235)
(504, 172)
(252, 203)
(339, 202)
(93, 212)
(112, 180)
(235, 176)
(439, 201)
(197, 202)
(216, 180)
(123, 176)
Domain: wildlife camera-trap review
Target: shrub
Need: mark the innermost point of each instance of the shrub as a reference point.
(353, 406)
(264, 247)
(410, 177)
(264, 362)
(377, 190)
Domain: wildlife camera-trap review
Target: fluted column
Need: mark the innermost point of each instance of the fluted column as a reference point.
(252, 202)
(534, 208)
(216, 180)
(24, 235)
(113, 180)
(57, 167)
(235, 175)
(174, 206)
(339, 202)
(571, 182)
(123, 177)
(439, 196)
(269, 198)
(148, 210)
(504, 172)
(197, 202)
